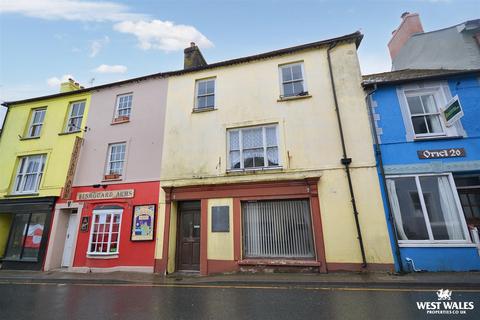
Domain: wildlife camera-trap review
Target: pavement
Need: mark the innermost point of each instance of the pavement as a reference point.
(351, 279)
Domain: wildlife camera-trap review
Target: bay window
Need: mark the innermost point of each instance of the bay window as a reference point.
(105, 232)
(426, 209)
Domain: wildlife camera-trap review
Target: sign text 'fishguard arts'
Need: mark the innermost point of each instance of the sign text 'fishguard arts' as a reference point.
(114, 194)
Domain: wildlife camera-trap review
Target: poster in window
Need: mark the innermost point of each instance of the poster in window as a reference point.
(143, 223)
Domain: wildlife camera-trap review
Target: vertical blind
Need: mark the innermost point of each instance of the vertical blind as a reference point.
(277, 229)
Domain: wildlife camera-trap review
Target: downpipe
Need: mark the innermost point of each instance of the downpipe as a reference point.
(346, 161)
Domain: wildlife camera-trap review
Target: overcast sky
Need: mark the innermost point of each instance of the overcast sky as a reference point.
(43, 42)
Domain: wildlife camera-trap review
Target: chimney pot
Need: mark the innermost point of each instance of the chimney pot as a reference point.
(406, 13)
(192, 44)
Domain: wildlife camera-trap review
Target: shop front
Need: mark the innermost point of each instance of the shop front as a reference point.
(24, 230)
(244, 226)
(113, 229)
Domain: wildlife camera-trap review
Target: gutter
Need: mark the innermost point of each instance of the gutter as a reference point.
(378, 156)
(345, 160)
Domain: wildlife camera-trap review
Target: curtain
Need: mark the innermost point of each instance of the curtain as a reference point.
(392, 195)
(449, 209)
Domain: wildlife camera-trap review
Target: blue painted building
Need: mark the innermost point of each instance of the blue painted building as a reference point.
(429, 167)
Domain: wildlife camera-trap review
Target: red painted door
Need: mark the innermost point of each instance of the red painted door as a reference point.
(188, 248)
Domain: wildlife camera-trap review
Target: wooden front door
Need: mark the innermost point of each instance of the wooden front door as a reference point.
(188, 245)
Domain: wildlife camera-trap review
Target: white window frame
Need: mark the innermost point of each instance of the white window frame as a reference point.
(240, 141)
(32, 123)
(431, 241)
(92, 228)
(117, 105)
(20, 177)
(109, 154)
(280, 75)
(214, 94)
(442, 95)
(72, 117)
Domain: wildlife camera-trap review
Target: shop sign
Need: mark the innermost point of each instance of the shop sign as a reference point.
(452, 112)
(101, 195)
(441, 153)
(67, 189)
(143, 223)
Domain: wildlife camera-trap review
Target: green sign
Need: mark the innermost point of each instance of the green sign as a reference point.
(453, 111)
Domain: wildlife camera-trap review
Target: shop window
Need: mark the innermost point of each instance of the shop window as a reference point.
(105, 232)
(426, 209)
(253, 147)
(468, 187)
(29, 174)
(36, 123)
(277, 229)
(25, 237)
(292, 80)
(75, 116)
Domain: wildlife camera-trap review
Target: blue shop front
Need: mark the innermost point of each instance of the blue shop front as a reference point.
(426, 124)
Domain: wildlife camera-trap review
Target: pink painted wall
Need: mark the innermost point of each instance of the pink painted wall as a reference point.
(143, 134)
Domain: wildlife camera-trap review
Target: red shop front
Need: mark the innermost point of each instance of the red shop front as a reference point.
(109, 227)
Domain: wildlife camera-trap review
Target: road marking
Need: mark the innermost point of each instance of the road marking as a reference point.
(233, 287)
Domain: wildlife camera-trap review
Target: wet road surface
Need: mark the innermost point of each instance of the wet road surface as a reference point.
(137, 302)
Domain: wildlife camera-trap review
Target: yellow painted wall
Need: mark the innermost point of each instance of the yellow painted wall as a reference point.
(57, 147)
(220, 244)
(172, 244)
(195, 151)
(5, 222)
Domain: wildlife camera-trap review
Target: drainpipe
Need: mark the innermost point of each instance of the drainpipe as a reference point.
(345, 160)
(378, 153)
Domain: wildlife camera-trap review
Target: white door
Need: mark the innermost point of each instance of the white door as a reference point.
(68, 248)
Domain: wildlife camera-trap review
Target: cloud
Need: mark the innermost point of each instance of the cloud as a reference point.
(73, 10)
(55, 82)
(163, 35)
(97, 45)
(374, 62)
(105, 68)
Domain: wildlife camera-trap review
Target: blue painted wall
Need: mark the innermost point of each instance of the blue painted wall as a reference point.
(396, 150)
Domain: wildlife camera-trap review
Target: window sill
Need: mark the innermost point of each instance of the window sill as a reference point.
(29, 138)
(67, 133)
(112, 180)
(437, 138)
(438, 244)
(114, 122)
(17, 195)
(294, 98)
(102, 256)
(254, 170)
(279, 262)
(200, 110)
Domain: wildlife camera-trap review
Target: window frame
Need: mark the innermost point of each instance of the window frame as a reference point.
(265, 147)
(281, 82)
(117, 107)
(22, 165)
(431, 241)
(96, 212)
(197, 96)
(109, 154)
(40, 124)
(70, 117)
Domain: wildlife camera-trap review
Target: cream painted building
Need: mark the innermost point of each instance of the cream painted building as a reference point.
(253, 171)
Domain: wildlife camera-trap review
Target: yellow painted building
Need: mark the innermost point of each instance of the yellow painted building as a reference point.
(252, 170)
(36, 146)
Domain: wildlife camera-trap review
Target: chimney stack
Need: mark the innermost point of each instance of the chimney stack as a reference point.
(70, 85)
(410, 25)
(193, 57)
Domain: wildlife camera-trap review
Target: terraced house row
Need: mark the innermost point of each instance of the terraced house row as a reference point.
(261, 162)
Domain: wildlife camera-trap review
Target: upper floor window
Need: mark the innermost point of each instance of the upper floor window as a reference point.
(75, 116)
(425, 114)
(105, 232)
(292, 80)
(29, 174)
(124, 107)
(205, 94)
(116, 159)
(253, 147)
(36, 122)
